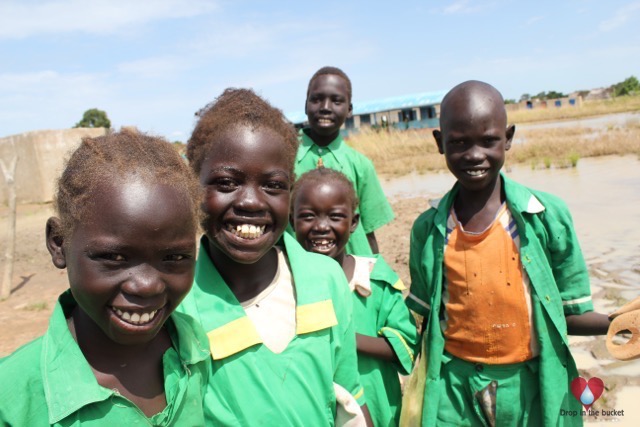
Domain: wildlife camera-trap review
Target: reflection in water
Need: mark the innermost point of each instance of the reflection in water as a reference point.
(603, 195)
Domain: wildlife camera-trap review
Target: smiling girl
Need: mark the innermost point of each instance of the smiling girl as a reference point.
(278, 318)
(115, 353)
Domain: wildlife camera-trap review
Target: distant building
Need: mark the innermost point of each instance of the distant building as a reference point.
(420, 110)
(572, 100)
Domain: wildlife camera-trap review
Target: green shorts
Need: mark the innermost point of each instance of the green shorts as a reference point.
(477, 394)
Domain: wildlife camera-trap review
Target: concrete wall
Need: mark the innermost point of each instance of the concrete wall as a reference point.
(41, 157)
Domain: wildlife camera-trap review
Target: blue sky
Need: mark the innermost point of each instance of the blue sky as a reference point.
(152, 64)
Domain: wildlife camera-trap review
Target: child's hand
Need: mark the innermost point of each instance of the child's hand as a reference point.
(625, 320)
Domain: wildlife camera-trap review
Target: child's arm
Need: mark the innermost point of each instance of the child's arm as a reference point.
(373, 243)
(589, 323)
(377, 347)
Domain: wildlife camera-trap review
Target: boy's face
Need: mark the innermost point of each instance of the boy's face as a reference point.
(328, 104)
(474, 139)
(247, 189)
(323, 218)
(131, 259)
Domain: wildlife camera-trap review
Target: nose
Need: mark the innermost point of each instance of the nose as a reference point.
(325, 104)
(144, 281)
(250, 199)
(321, 225)
(474, 153)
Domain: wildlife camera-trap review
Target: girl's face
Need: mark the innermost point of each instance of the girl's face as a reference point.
(323, 218)
(131, 259)
(247, 188)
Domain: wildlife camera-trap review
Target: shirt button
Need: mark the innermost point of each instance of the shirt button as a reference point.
(479, 367)
(547, 297)
(320, 150)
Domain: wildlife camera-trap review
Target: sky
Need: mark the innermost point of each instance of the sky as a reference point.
(153, 63)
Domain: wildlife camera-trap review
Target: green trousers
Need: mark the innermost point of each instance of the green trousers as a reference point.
(477, 394)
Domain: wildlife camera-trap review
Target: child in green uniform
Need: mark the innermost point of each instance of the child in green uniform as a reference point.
(324, 215)
(115, 352)
(499, 277)
(327, 106)
(277, 317)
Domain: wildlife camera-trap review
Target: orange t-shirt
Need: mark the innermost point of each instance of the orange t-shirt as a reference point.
(487, 296)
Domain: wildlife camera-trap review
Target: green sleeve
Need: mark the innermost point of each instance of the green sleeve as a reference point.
(344, 342)
(567, 263)
(418, 298)
(399, 328)
(375, 210)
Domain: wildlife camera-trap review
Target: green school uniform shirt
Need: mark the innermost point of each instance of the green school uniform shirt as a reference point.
(249, 384)
(552, 258)
(48, 382)
(375, 211)
(384, 314)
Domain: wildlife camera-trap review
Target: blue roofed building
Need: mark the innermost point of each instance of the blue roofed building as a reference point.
(419, 110)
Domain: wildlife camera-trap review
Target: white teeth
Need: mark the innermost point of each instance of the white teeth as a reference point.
(323, 244)
(136, 318)
(247, 231)
(476, 172)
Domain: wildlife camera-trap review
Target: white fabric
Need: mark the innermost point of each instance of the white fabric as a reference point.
(348, 412)
(361, 280)
(273, 311)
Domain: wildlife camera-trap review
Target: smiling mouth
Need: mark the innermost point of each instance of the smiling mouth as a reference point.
(246, 231)
(476, 172)
(325, 121)
(135, 317)
(322, 245)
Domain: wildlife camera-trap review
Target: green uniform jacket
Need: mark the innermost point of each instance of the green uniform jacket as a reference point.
(384, 313)
(559, 279)
(375, 211)
(48, 382)
(250, 385)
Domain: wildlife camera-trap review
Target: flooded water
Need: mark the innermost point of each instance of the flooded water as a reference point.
(598, 122)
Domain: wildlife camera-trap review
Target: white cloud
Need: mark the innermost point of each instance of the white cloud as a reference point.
(160, 67)
(464, 6)
(48, 99)
(27, 18)
(620, 18)
(533, 20)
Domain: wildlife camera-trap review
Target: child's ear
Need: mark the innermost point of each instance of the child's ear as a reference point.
(511, 131)
(55, 242)
(350, 110)
(354, 223)
(438, 137)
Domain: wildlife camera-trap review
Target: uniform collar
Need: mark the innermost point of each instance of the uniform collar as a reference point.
(66, 372)
(69, 383)
(382, 272)
(307, 144)
(519, 199)
(230, 330)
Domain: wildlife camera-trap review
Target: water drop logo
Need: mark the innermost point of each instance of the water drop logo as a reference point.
(587, 392)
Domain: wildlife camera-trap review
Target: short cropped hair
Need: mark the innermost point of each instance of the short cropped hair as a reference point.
(324, 175)
(116, 157)
(333, 71)
(239, 107)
